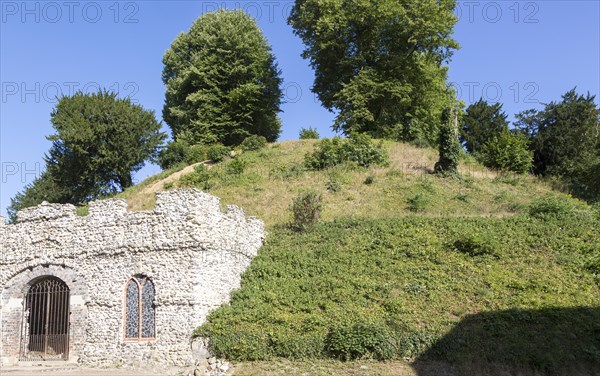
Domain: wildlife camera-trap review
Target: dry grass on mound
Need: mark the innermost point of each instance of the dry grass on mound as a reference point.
(263, 192)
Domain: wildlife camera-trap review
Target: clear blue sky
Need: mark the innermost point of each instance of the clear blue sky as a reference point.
(516, 52)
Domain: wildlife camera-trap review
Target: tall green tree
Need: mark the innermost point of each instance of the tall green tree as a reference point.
(44, 188)
(100, 141)
(481, 123)
(565, 139)
(378, 64)
(222, 81)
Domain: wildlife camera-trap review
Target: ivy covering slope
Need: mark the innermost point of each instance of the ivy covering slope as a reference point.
(393, 288)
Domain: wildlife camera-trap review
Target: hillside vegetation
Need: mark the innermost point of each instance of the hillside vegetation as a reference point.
(481, 272)
(271, 177)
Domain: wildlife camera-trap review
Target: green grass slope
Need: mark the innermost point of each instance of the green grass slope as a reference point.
(473, 271)
(393, 288)
(272, 176)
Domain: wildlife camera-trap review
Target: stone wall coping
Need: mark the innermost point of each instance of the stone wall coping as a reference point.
(182, 218)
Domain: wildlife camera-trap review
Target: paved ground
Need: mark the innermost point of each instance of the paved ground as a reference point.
(82, 371)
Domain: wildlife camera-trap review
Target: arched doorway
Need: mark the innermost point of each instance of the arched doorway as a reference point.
(45, 328)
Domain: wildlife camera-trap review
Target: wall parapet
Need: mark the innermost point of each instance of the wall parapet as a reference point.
(181, 219)
(46, 212)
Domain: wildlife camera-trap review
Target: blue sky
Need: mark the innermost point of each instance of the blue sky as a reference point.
(520, 53)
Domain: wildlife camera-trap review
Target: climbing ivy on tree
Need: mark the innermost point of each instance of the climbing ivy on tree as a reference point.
(449, 147)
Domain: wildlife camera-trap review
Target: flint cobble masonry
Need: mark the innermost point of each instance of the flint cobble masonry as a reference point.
(193, 252)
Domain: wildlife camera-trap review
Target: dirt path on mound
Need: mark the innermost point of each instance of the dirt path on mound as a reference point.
(423, 167)
(159, 185)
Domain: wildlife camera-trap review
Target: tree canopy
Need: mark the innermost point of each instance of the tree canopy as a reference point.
(507, 151)
(379, 64)
(100, 141)
(481, 123)
(223, 83)
(44, 188)
(565, 139)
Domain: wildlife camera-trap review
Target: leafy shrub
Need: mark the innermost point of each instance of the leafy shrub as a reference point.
(507, 151)
(254, 142)
(196, 154)
(333, 186)
(596, 210)
(236, 167)
(285, 172)
(305, 291)
(175, 152)
(180, 151)
(245, 345)
(198, 179)
(327, 153)
(358, 148)
(168, 185)
(476, 245)
(359, 341)
(294, 344)
(552, 207)
(418, 202)
(309, 134)
(201, 169)
(217, 152)
(593, 264)
(306, 209)
(361, 149)
(369, 179)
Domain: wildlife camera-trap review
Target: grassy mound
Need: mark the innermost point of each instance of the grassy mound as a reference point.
(394, 288)
(264, 182)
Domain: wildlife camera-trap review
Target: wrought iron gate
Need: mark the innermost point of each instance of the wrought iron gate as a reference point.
(45, 330)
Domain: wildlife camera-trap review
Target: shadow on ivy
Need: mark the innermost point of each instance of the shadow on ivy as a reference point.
(559, 341)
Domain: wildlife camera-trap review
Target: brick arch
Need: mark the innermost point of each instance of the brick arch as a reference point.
(14, 294)
(18, 285)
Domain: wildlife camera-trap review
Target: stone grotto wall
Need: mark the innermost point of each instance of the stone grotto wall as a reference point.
(192, 251)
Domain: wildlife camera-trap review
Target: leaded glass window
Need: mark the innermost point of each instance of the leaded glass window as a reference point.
(148, 310)
(139, 308)
(132, 310)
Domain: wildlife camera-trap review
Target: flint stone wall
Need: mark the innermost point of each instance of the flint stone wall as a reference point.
(193, 252)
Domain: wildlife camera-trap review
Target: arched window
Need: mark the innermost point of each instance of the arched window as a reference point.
(139, 308)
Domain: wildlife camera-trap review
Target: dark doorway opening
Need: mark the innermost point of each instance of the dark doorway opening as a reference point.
(45, 330)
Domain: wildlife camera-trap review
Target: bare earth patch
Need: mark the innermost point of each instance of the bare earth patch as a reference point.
(159, 185)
